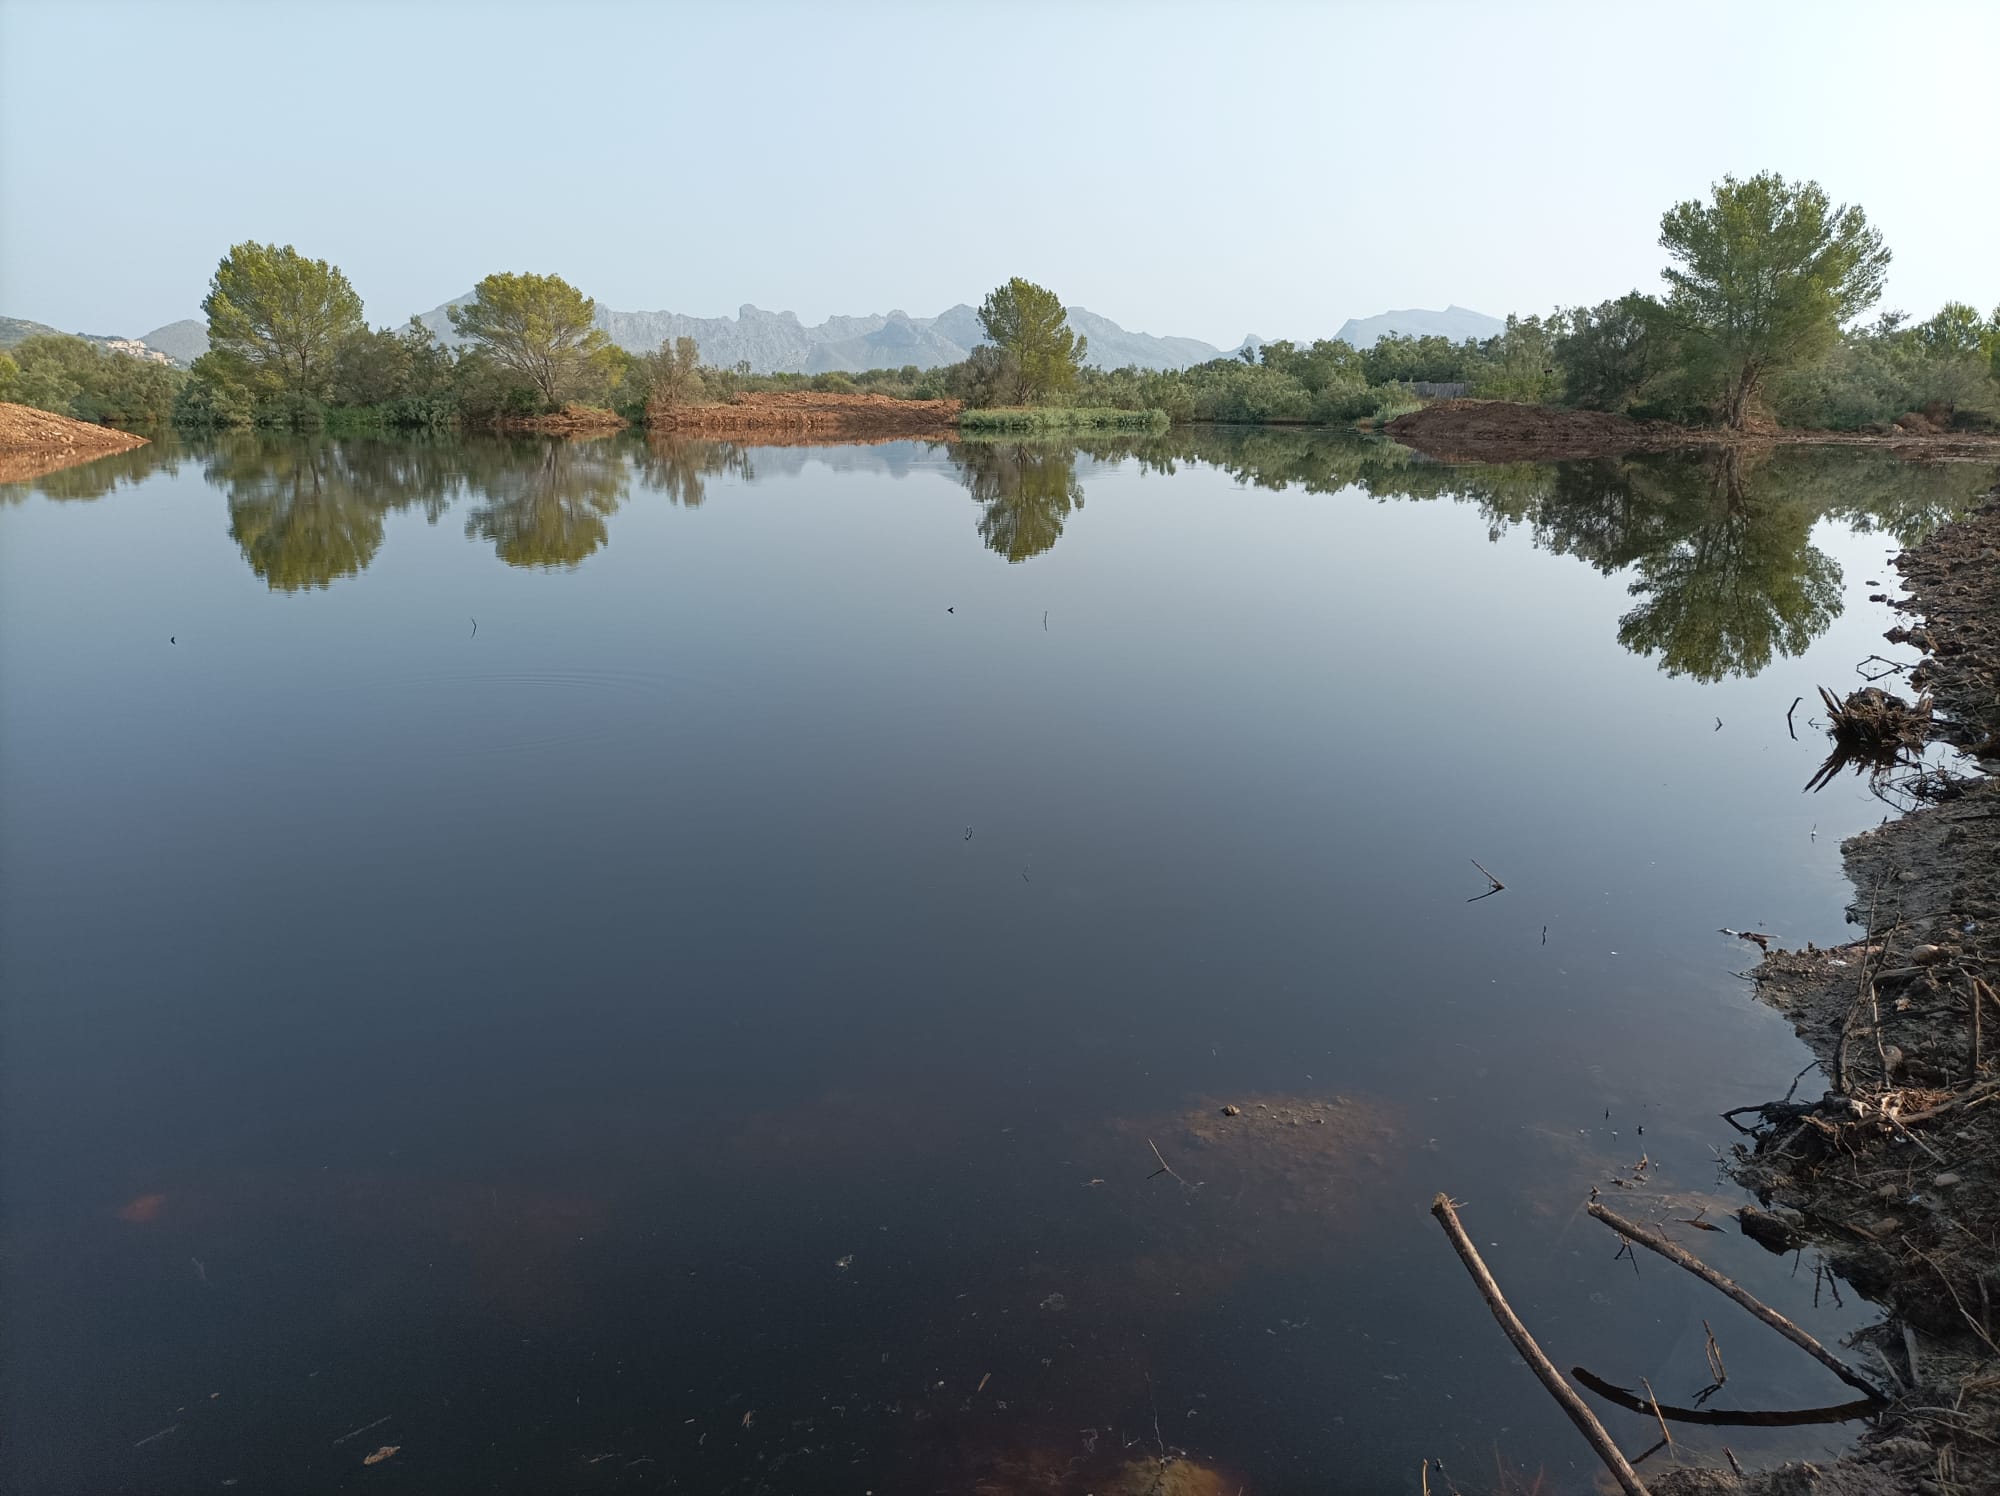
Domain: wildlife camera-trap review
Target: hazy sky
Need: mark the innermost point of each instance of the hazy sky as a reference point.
(1202, 170)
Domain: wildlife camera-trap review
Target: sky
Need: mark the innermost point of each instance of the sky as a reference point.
(1207, 171)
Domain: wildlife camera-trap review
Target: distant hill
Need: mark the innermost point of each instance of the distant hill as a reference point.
(779, 343)
(1454, 322)
(183, 341)
(19, 329)
(180, 341)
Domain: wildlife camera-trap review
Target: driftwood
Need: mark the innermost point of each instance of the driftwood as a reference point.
(1681, 1257)
(1564, 1394)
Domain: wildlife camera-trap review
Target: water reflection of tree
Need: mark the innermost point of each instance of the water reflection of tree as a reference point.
(307, 510)
(1718, 544)
(1737, 577)
(545, 504)
(679, 467)
(1025, 491)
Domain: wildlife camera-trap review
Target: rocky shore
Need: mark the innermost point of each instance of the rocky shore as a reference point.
(1895, 1173)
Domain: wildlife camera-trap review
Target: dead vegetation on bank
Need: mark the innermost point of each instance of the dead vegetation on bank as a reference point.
(1895, 1173)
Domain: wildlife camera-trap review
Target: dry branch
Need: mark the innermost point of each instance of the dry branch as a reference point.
(1681, 1257)
(1564, 1394)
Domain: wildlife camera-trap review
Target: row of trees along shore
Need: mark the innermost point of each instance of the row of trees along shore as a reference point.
(1761, 322)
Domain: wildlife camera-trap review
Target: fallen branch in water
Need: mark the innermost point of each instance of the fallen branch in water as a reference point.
(1564, 1394)
(1681, 1257)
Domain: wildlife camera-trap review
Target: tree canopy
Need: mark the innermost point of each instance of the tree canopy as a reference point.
(1763, 278)
(539, 326)
(276, 317)
(1028, 323)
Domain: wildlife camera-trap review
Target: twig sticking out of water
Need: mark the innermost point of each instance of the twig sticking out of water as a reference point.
(1654, 1398)
(1788, 718)
(1497, 884)
(1165, 1167)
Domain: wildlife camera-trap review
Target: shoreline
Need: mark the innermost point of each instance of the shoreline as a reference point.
(1894, 1175)
(1504, 431)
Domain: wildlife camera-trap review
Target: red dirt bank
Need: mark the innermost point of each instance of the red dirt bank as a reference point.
(808, 413)
(34, 442)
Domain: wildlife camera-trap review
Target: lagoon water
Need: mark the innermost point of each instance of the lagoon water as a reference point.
(608, 967)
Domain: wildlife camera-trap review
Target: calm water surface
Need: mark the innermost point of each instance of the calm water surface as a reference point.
(611, 967)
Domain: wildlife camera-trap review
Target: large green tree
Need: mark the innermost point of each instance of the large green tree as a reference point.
(1027, 322)
(538, 326)
(1763, 277)
(275, 318)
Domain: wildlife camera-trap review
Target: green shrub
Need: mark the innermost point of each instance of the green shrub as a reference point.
(1041, 418)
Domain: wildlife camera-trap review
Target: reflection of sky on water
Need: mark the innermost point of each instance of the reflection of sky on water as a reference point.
(521, 1026)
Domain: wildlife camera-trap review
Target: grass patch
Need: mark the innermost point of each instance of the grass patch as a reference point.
(1053, 418)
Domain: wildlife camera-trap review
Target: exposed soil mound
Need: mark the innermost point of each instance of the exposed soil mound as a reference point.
(808, 413)
(1502, 431)
(34, 442)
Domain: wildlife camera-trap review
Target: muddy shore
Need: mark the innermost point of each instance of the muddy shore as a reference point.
(1503, 431)
(1895, 1173)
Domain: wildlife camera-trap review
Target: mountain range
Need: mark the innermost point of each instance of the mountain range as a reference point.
(778, 342)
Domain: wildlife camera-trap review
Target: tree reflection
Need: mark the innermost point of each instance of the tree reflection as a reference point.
(1737, 578)
(544, 504)
(1025, 491)
(1717, 543)
(306, 511)
(680, 468)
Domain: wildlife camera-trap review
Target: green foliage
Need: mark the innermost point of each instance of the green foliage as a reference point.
(1400, 359)
(1763, 278)
(1520, 364)
(1888, 370)
(672, 374)
(1048, 418)
(79, 378)
(1028, 323)
(542, 329)
(276, 318)
(1608, 355)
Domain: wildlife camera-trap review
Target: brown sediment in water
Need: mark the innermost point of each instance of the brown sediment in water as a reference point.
(34, 442)
(1289, 1154)
(809, 413)
(1895, 1174)
(1060, 1472)
(1507, 431)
